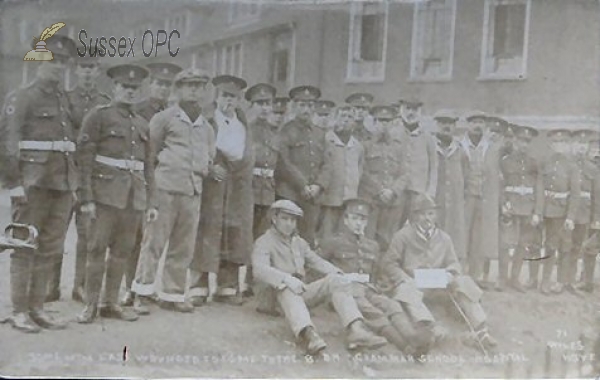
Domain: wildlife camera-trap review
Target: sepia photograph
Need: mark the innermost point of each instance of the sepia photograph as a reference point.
(300, 189)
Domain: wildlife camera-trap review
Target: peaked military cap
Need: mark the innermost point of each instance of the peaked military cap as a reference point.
(445, 115)
(360, 99)
(260, 91)
(305, 93)
(357, 206)
(476, 115)
(384, 112)
(229, 83)
(411, 102)
(524, 132)
(287, 206)
(61, 46)
(324, 107)
(129, 74)
(422, 202)
(164, 70)
(280, 105)
(558, 134)
(587, 134)
(192, 75)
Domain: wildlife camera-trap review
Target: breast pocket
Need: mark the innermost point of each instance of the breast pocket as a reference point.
(113, 133)
(34, 156)
(45, 113)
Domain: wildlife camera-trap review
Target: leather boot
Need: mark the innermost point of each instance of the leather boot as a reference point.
(141, 305)
(115, 311)
(360, 337)
(46, 321)
(22, 322)
(88, 315)
(313, 342)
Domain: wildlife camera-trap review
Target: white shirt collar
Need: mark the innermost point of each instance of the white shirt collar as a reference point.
(333, 137)
(184, 117)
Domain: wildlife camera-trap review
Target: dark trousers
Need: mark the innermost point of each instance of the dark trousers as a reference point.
(115, 228)
(261, 220)
(49, 211)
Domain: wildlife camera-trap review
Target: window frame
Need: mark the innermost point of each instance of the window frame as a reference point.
(219, 62)
(354, 9)
(487, 42)
(246, 19)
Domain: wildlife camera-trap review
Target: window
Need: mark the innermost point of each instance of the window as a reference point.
(243, 12)
(204, 59)
(433, 40)
(505, 39)
(229, 59)
(367, 42)
(282, 58)
(178, 22)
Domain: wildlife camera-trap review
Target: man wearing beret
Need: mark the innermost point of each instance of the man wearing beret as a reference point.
(41, 176)
(361, 103)
(224, 240)
(521, 188)
(450, 191)
(384, 177)
(117, 169)
(359, 257)
(303, 171)
(419, 154)
(84, 97)
(558, 208)
(183, 145)
(417, 249)
(266, 150)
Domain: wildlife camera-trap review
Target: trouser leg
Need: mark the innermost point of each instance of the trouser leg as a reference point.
(338, 290)
(20, 277)
(100, 238)
(134, 259)
(330, 218)
(295, 310)
(82, 223)
(261, 220)
(54, 276)
(472, 310)
(308, 223)
(39, 281)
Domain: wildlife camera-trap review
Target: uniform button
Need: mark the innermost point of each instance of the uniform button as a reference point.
(66, 153)
(133, 128)
(133, 157)
(45, 114)
(133, 143)
(85, 110)
(112, 133)
(66, 138)
(63, 123)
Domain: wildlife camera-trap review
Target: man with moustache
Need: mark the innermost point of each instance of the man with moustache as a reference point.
(279, 110)
(117, 170)
(41, 176)
(345, 154)
(83, 98)
(450, 189)
(419, 155)
(224, 240)
(184, 148)
(361, 103)
(303, 171)
(384, 177)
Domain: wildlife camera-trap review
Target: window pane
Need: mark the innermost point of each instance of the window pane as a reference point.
(371, 43)
(509, 30)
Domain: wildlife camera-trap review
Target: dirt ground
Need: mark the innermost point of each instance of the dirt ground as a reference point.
(227, 341)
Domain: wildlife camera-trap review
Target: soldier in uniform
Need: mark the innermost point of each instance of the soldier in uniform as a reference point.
(361, 103)
(83, 98)
(419, 155)
(278, 111)
(224, 240)
(303, 172)
(184, 147)
(383, 179)
(161, 80)
(558, 207)
(41, 177)
(346, 157)
(358, 256)
(117, 169)
(266, 149)
(280, 258)
(451, 183)
(322, 114)
(521, 188)
(421, 245)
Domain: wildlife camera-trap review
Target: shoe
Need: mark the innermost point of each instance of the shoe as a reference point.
(78, 294)
(531, 285)
(516, 285)
(53, 296)
(237, 300)
(557, 288)
(117, 312)
(546, 289)
(360, 337)
(22, 322)
(198, 301)
(140, 305)
(128, 299)
(182, 307)
(88, 315)
(314, 343)
(44, 320)
(271, 312)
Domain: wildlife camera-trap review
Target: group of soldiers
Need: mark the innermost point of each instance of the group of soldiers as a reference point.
(248, 188)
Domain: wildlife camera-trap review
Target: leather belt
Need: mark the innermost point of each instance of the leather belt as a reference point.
(521, 190)
(586, 195)
(133, 165)
(53, 146)
(557, 194)
(261, 172)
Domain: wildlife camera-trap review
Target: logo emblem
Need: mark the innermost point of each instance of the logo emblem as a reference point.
(41, 53)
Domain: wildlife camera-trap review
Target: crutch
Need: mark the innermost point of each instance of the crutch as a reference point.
(462, 313)
(8, 241)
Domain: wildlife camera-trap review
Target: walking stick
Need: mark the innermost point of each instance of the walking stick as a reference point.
(462, 313)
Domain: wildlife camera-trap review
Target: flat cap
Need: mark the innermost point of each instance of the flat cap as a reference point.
(422, 202)
(287, 206)
(280, 105)
(384, 112)
(192, 75)
(324, 107)
(305, 93)
(360, 99)
(229, 83)
(357, 206)
(260, 91)
(164, 70)
(129, 74)
(446, 115)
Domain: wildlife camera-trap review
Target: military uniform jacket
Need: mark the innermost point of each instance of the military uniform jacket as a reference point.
(561, 188)
(150, 107)
(419, 155)
(83, 101)
(266, 150)
(589, 179)
(41, 113)
(383, 169)
(276, 257)
(301, 160)
(116, 132)
(522, 183)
